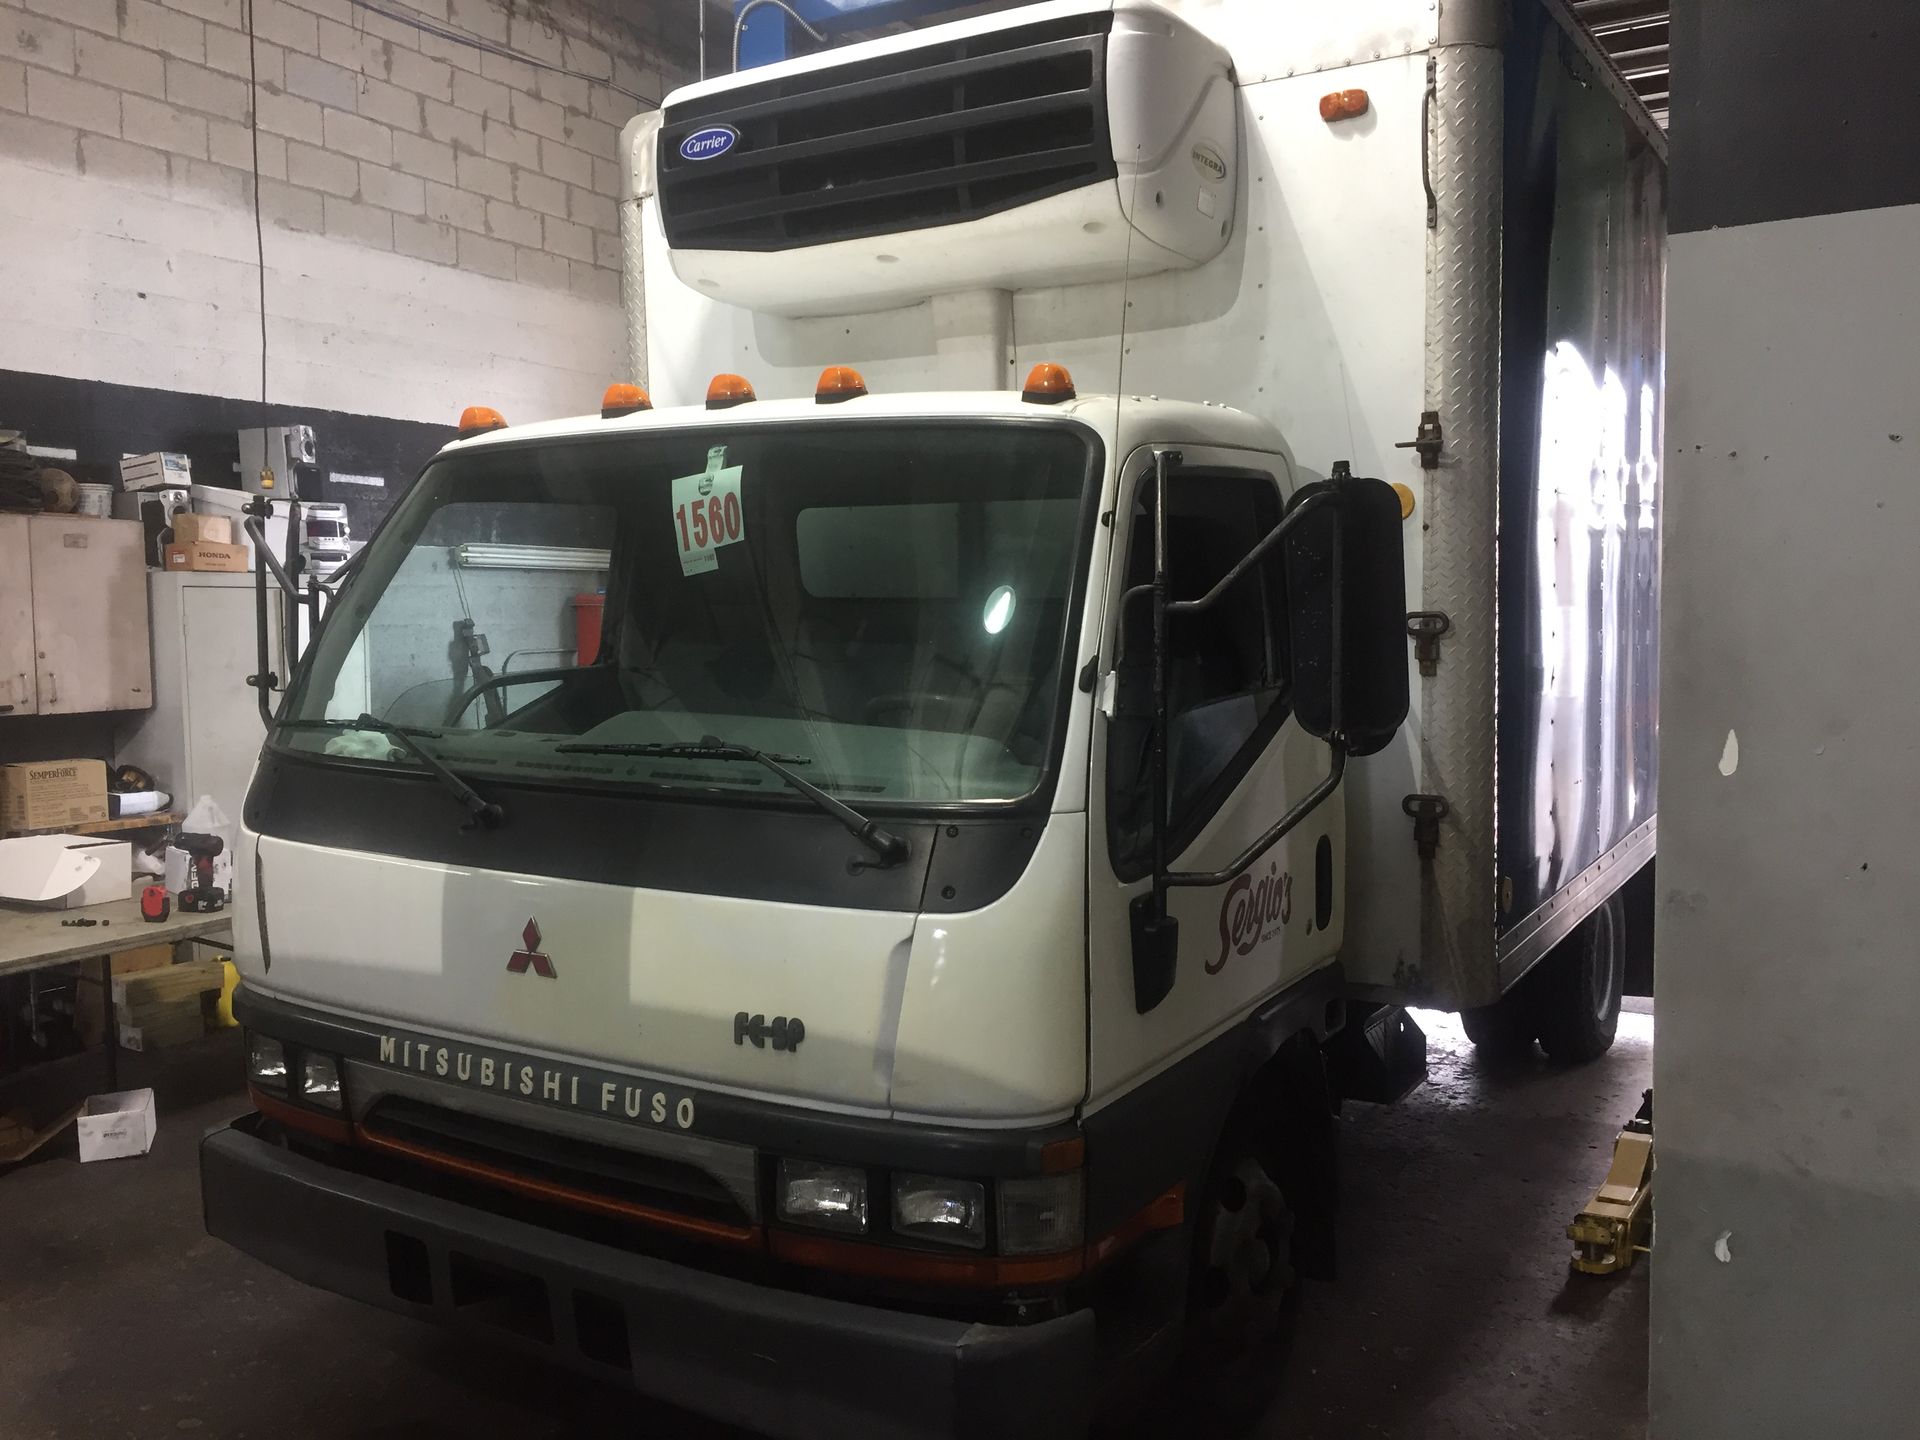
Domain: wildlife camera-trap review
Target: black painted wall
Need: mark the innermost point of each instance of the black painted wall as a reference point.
(103, 422)
(1784, 108)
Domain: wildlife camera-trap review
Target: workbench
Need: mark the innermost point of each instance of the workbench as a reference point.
(32, 939)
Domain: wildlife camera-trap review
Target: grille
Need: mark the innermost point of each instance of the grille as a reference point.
(942, 134)
(558, 1160)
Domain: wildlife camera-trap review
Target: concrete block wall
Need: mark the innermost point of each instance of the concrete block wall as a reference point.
(430, 204)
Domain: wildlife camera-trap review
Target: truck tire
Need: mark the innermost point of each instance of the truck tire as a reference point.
(1505, 1029)
(1243, 1290)
(1577, 993)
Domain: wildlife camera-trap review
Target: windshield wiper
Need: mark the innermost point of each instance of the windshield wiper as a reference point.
(891, 848)
(485, 812)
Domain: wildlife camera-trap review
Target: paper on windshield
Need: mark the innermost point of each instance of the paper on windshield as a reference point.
(707, 513)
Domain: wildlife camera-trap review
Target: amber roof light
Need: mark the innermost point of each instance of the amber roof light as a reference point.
(837, 383)
(479, 419)
(1048, 384)
(726, 391)
(623, 399)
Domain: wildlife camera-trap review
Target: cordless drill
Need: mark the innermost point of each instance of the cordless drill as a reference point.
(202, 896)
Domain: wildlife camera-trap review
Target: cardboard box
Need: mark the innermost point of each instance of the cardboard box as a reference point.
(47, 794)
(202, 555)
(116, 1125)
(189, 528)
(224, 500)
(64, 872)
(156, 467)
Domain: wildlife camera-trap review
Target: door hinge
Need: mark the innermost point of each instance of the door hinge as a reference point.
(1426, 812)
(1427, 439)
(1426, 627)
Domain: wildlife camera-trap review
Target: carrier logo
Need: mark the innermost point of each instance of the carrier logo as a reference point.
(531, 957)
(1252, 911)
(1207, 161)
(710, 143)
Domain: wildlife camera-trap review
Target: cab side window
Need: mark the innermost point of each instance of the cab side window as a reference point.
(1226, 665)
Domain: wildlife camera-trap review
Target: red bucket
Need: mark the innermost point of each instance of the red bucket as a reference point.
(587, 613)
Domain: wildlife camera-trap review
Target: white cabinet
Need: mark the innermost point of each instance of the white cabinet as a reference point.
(19, 689)
(73, 615)
(203, 733)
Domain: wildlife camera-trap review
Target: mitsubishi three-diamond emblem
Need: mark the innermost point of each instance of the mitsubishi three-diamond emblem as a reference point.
(531, 956)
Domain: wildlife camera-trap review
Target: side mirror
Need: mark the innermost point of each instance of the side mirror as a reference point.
(1156, 953)
(1346, 573)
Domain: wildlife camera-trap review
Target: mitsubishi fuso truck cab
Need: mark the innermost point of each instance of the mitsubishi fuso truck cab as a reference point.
(793, 937)
(1136, 559)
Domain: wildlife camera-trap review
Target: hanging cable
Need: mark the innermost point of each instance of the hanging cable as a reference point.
(259, 230)
(740, 24)
(400, 14)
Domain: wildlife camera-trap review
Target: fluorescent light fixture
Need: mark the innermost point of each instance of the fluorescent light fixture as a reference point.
(530, 557)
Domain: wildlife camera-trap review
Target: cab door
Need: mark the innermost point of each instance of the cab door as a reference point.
(1236, 760)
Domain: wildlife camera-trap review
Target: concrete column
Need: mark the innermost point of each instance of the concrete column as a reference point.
(1786, 1283)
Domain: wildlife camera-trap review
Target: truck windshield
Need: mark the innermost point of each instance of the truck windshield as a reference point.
(884, 607)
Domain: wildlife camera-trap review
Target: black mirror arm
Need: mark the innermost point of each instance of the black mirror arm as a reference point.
(1246, 562)
(1299, 811)
(1163, 463)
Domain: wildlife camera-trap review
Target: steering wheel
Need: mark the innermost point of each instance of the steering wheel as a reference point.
(908, 701)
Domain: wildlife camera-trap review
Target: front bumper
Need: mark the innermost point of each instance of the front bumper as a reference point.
(770, 1360)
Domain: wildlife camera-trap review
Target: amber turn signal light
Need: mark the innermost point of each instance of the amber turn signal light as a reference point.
(623, 399)
(726, 391)
(837, 383)
(1343, 105)
(478, 419)
(1048, 385)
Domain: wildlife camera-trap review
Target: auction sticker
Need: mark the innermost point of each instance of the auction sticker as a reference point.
(706, 513)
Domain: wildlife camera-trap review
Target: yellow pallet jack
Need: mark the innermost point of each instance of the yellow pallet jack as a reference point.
(1617, 1224)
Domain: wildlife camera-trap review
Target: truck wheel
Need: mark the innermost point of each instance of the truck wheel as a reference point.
(1505, 1029)
(1578, 993)
(1243, 1294)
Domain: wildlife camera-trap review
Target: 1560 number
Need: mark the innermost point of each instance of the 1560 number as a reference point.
(715, 521)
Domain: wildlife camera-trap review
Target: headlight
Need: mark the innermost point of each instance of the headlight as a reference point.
(831, 1197)
(1041, 1216)
(954, 1212)
(320, 1081)
(267, 1064)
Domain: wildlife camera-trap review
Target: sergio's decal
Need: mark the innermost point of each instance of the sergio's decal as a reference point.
(1251, 911)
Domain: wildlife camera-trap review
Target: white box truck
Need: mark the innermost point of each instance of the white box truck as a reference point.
(1141, 559)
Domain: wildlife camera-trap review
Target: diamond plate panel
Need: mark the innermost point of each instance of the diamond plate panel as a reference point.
(1463, 513)
(633, 288)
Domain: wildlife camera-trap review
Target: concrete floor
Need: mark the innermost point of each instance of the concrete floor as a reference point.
(1455, 1315)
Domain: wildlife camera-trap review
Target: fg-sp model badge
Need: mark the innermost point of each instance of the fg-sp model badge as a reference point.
(709, 143)
(785, 1033)
(530, 956)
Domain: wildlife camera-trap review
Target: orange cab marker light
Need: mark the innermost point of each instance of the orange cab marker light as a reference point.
(1057, 1157)
(623, 399)
(1048, 385)
(1343, 105)
(478, 419)
(837, 383)
(726, 391)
